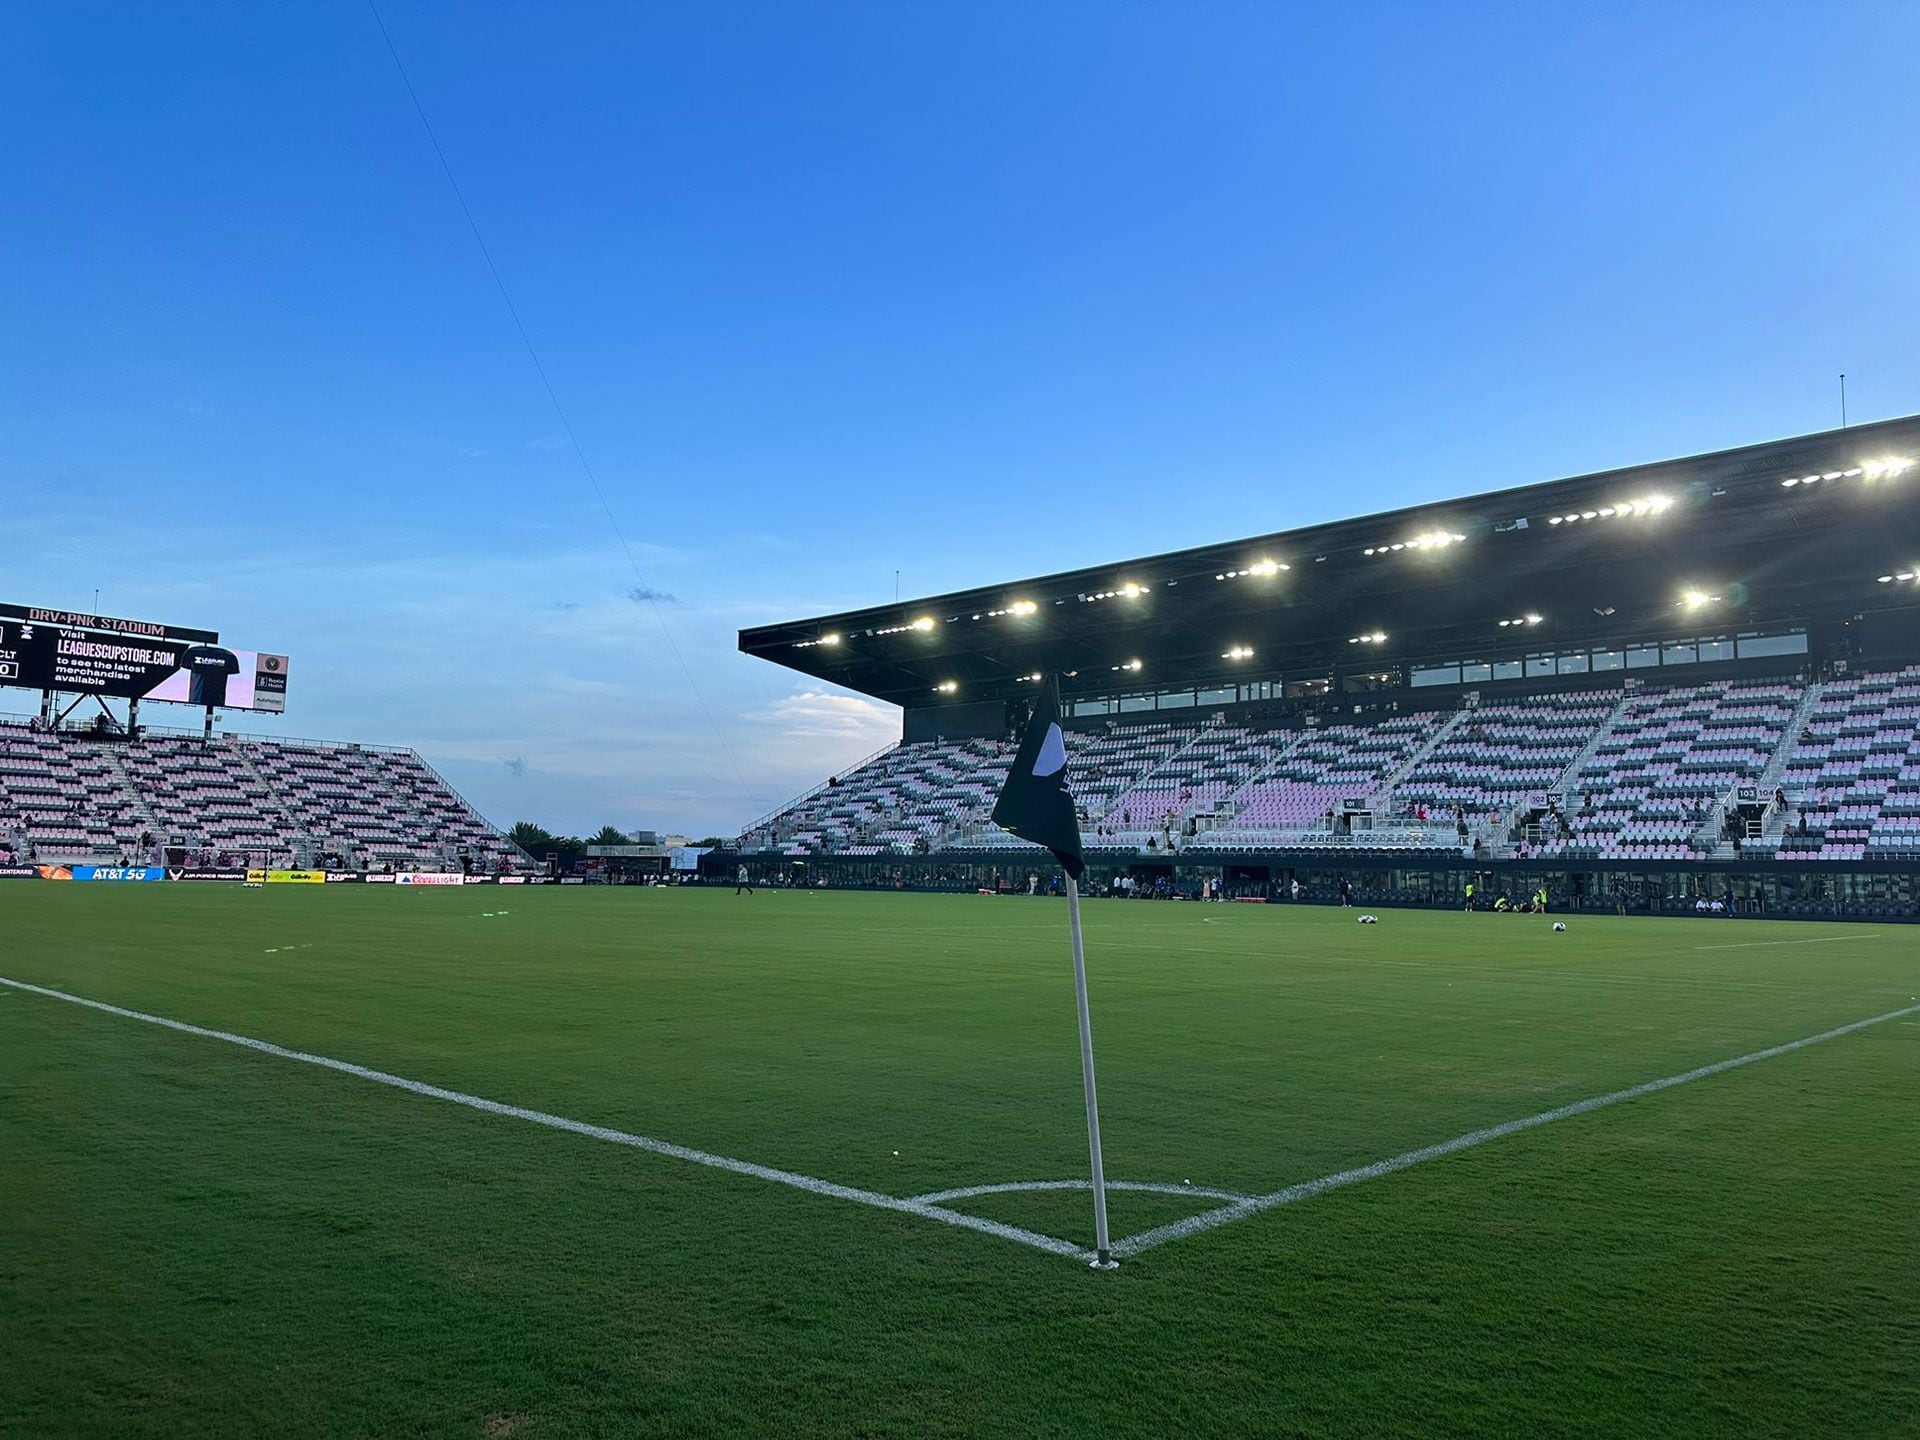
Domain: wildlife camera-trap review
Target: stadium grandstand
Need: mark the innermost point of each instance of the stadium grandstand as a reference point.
(1642, 688)
(108, 792)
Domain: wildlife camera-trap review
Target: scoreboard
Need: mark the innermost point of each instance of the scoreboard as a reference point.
(135, 660)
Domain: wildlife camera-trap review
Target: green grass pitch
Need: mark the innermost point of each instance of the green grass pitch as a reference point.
(198, 1239)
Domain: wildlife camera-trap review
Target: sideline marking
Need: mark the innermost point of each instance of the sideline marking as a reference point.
(925, 1206)
(808, 1183)
(1306, 1190)
(1817, 940)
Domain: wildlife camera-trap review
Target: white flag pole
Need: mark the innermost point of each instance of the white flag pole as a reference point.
(1103, 1255)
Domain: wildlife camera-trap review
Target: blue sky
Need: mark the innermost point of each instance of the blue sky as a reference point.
(967, 290)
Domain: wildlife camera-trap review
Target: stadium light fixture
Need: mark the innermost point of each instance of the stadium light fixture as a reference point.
(1904, 575)
(923, 624)
(1034, 678)
(946, 687)
(1692, 599)
(1129, 590)
(1130, 665)
(833, 639)
(1886, 467)
(1258, 569)
(1636, 509)
(1431, 540)
(1520, 620)
(1022, 607)
(1377, 637)
(1238, 652)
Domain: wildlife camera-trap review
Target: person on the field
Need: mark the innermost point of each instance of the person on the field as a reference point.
(1346, 893)
(1540, 901)
(1469, 905)
(1501, 905)
(741, 882)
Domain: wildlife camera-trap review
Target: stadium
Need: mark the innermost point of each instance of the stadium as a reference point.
(1443, 965)
(807, 1093)
(1679, 686)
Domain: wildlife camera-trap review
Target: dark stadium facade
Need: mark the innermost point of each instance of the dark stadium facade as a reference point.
(1795, 560)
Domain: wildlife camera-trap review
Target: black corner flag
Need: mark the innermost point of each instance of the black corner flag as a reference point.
(1034, 803)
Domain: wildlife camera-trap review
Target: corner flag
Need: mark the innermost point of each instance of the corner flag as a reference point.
(1034, 803)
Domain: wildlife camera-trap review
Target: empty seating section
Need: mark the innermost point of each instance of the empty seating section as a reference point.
(1500, 754)
(1643, 776)
(72, 796)
(66, 798)
(1650, 785)
(1196, 778)
(1852, 779)
(1320, 770)
(899, 802)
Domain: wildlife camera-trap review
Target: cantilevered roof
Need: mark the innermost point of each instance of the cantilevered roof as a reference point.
(1792, 530)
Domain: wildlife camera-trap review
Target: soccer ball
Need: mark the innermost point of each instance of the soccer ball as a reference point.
(1369, 919)
(1558, 926)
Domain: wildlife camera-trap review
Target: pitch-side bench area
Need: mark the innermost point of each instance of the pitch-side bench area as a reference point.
(934, 1205)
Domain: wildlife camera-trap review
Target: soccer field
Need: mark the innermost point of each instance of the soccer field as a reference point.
(201, 1237)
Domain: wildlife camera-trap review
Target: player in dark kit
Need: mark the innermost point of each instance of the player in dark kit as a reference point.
(208, 667)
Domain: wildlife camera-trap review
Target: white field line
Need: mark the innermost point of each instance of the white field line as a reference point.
(1817, 940)
(967, 1192)
(926, 1206)
(925, 1210)
(1195, 1224)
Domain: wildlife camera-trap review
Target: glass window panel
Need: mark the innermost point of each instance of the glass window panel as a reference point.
(1754, 646)
(1506, 669)
(1677, 653)
(1539, 665)
(1639, 657)
(1716, 650)
(1473, 674)
(1609, 660)
(1573, 665)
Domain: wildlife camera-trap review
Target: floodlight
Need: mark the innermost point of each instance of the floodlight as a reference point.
(830, 639)
(1695, 599)
(925, 622)
(1238, 652)
(947, 687)
(1022, 607)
